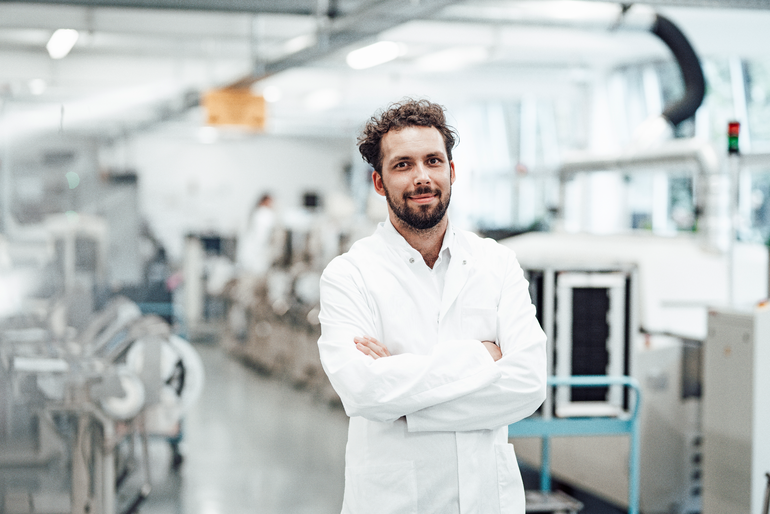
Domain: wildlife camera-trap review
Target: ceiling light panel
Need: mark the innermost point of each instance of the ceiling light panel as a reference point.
(375, 54)
(61, 43)
(299, 43)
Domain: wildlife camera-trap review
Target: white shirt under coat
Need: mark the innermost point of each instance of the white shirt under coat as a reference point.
(428, 425)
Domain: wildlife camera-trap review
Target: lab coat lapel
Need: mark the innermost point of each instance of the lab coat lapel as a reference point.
(456, 275)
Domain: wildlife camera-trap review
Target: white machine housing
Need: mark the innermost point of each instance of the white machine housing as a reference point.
(736, 411)
(672, 283)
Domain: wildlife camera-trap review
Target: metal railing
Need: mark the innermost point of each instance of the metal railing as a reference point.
(627, 423)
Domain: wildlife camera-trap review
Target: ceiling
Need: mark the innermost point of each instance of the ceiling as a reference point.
(141, 62)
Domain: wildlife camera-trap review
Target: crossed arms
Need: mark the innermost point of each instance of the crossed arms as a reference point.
(464, 384)
(375, 349)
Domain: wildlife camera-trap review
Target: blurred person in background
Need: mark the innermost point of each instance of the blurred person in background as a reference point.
(255, 252)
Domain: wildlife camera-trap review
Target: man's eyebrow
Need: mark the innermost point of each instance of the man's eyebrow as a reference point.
(409, 157)
(394, 160)
(402, 158)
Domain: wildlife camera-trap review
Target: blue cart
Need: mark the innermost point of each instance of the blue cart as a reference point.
(546, 426)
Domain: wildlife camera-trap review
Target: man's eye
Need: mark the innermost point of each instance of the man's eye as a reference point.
(434, 160)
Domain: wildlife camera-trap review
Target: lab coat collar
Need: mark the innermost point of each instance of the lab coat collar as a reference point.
(404, 249)
(459, 265)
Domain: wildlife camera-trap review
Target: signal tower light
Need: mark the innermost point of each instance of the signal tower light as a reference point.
(733, 131)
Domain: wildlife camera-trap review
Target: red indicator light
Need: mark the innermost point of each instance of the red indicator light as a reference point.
(733, 131)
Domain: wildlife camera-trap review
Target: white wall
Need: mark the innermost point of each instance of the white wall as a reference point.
(187, 186)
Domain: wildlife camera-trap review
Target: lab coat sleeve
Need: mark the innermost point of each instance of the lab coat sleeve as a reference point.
(522, 387)
(388, 388)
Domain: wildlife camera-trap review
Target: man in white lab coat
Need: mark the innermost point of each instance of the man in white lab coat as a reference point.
(430, 339)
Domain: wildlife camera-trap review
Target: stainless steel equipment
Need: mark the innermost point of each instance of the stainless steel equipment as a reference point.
(73, 410)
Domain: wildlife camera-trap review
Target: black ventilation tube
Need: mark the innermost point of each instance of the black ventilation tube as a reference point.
(694, 83)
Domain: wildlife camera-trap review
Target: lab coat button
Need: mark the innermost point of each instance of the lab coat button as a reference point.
(465, 262)
(411, 260)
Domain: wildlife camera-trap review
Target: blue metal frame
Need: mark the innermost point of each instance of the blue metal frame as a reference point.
(159, 308)
(546, 427)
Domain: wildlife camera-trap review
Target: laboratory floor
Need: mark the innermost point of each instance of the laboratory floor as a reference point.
(256, 445)
(251, 445)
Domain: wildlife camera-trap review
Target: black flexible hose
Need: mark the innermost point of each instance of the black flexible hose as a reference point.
(694, 83)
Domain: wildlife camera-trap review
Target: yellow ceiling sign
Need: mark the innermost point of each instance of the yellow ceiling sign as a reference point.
(232, 106)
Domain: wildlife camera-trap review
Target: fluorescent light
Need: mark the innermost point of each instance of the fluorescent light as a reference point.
(61, 43)
(299, 43)
(375, 54)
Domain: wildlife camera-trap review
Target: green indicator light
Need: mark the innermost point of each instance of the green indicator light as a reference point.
(733, 131)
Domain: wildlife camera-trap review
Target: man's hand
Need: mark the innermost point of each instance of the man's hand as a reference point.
(493, 350)
(372, 347)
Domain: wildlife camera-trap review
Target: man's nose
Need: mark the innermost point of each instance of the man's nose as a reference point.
(421, 175)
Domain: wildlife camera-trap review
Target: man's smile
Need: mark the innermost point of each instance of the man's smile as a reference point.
(422, 199)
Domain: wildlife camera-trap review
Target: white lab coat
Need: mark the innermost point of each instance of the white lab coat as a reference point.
(428, 425)
(255, 253)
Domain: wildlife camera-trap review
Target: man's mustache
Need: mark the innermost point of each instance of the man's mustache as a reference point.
(423, 190)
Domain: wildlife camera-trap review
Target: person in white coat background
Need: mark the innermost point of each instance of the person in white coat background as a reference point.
(255, 242)
(429, 337)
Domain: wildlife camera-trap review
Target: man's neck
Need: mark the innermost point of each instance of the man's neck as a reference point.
(426, 241)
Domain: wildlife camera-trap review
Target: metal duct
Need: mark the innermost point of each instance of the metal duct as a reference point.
(694, 83)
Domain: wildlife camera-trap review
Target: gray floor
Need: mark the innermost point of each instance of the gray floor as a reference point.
(253, 445)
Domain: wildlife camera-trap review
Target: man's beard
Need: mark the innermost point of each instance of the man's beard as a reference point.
(422, 217)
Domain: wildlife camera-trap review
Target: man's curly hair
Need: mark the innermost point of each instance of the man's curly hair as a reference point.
(406, 113)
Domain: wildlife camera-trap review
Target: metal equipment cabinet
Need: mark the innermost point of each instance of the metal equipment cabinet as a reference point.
(736, 411)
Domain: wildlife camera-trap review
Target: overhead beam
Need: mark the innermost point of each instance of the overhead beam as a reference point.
(731, 4)
(303, 7)
(337, 33)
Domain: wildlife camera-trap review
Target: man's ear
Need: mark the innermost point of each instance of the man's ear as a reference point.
(377, 181)
(451, 172)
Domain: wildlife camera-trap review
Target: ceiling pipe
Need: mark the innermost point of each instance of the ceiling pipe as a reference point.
(340, 31)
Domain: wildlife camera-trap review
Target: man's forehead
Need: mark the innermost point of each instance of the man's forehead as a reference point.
(420, 138)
